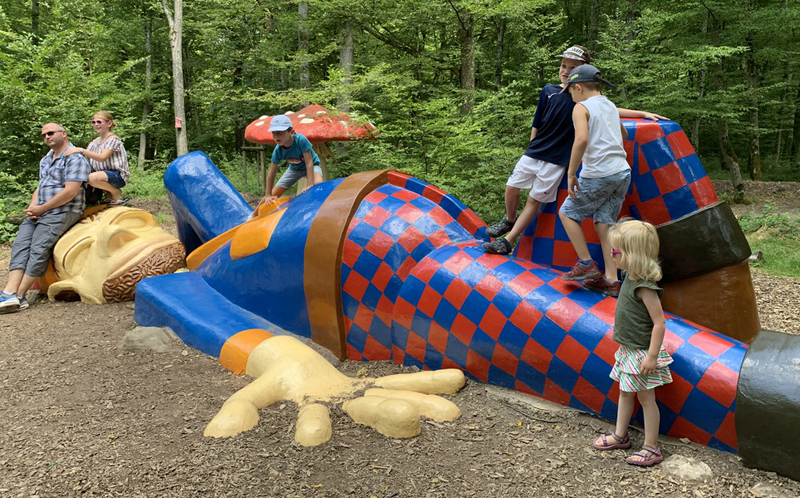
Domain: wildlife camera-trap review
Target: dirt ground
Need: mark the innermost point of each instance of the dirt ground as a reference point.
(82, 417)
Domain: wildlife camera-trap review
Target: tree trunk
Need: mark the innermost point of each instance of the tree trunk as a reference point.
(786, 107)
(35, 19)
(498, 60)
(754, 159)
(175, 21)
(594, 22)
(467, 40)
(346, 65)
(302, 44)
(148, 50)
(794, 150)
(730, 160)
(701, 92)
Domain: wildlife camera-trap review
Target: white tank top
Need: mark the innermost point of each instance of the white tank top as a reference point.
(605, 155)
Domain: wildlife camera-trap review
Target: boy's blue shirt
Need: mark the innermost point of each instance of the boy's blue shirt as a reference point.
(294, 154)
(553, 122)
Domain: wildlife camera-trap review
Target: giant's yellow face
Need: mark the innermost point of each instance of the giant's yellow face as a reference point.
(105, 255)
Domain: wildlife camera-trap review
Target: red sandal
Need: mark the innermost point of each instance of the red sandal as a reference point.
(649, 457)
(603, 444)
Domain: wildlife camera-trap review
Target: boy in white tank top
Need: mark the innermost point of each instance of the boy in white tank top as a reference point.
(604, 180)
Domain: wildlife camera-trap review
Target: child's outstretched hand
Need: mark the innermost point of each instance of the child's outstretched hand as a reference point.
(572, 185)
(648, 366)
(655, 117)
(266, 200)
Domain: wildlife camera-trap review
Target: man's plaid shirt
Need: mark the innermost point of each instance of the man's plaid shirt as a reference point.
(53, 174)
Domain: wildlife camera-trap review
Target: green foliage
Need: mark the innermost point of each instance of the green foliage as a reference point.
(15, 195)
(780, 256)
(147, 183)
(771, 223)
(685, 59)
(776, 236)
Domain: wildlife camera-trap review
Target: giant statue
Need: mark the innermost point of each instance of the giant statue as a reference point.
(380, 265)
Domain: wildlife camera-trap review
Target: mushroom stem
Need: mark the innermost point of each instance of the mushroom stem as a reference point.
(324, 152)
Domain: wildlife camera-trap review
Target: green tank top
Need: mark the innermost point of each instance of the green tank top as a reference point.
(632, 323)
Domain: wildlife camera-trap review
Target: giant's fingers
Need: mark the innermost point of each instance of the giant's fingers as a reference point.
(313, 425)
(234, 417)
(428, 405)
(390, 417)
(444, 381)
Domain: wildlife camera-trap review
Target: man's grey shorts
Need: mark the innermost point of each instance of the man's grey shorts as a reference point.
(291, 176)
(601, 197)
(35, 240)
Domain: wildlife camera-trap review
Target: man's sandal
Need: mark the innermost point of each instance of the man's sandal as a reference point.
(611, 441)
(648, 456)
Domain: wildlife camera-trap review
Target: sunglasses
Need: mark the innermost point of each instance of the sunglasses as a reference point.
(615, 252)
(50, 133)
(98, 122)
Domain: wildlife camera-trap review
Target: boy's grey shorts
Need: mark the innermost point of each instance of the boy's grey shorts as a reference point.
(291, 176)
(601, 197)
(35, 240)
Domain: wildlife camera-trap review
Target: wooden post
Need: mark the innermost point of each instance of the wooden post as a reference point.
(244, 165)
(262, 159)
(324, 153)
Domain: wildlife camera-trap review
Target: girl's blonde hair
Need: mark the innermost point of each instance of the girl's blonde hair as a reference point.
(638, 241)
(106, 116)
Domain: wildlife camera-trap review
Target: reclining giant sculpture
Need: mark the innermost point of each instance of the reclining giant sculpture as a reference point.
(380, 265)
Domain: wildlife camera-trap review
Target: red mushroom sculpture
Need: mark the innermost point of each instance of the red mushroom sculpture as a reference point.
(318, 125)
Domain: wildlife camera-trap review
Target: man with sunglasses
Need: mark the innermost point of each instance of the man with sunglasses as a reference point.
(56, 204)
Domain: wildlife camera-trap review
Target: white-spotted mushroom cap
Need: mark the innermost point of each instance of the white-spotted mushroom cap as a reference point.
(316, 124)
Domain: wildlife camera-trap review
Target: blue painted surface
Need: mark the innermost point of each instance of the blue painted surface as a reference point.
(203, 199)
(276, 271)
(202, 317)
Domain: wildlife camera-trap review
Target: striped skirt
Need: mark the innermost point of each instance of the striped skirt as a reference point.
(626, 369)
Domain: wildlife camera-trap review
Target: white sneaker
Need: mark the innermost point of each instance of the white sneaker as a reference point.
(9, 304)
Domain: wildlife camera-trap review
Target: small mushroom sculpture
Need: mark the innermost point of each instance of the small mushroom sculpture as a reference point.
(318, 125)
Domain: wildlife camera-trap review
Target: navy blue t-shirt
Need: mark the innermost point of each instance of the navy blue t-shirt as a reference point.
(553, 122)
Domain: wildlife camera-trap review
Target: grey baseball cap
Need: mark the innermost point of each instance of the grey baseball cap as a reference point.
(280, 123)
(583, 74)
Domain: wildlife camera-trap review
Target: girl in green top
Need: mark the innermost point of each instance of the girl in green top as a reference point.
(641, 363)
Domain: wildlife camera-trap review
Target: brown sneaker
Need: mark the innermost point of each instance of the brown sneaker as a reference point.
(600, 284)
(502, 227)
(582, 272)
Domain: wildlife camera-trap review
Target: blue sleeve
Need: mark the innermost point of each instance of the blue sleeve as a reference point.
(276, 155)
(76, 168)
(541, 107)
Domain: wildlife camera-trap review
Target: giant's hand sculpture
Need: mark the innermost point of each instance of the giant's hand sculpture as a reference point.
(383, 266)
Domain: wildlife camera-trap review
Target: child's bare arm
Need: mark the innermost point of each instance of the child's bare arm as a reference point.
(533, 133)
(624, 130)
(651, 300)
(309, 160)
(268, 197)
(632, 113)
(580, 120)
